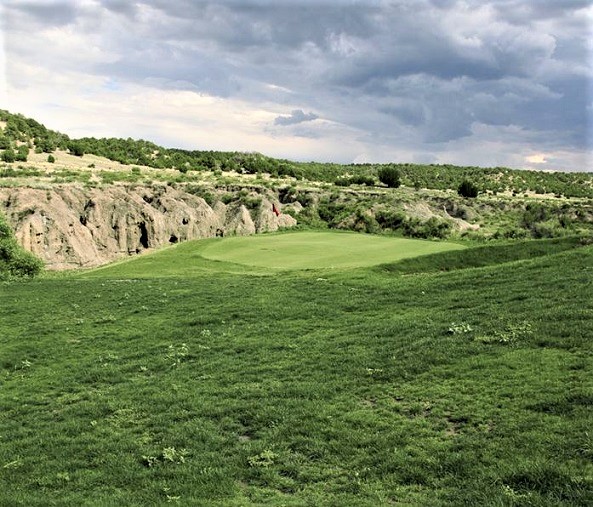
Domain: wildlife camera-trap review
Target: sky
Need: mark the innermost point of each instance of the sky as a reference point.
(486, 83)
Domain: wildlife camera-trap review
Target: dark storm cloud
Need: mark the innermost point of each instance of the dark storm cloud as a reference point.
(285, 25)
(426, 71)
(168, 66)
(56, 13)
(411, 113)
(407, 42)
(124, 7)
(522, 11)
(296, 116)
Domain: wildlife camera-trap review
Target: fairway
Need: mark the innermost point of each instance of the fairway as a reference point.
(170, 380)
(309, 250)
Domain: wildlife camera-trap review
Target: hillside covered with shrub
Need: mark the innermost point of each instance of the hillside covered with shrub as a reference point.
(21, 130)
(407, 200)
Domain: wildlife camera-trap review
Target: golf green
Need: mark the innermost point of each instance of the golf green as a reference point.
(309, 250)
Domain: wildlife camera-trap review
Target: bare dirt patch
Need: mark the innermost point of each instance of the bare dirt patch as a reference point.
(65, 160)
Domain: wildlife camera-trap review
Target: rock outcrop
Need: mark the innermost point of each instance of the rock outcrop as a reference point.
(71, 226)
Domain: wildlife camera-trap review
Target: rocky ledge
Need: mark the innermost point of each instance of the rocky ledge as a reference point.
(71, 226)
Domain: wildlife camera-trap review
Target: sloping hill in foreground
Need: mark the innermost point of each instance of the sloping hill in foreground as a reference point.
(326, 387)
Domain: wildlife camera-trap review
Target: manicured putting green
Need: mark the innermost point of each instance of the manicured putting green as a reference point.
(308, 250)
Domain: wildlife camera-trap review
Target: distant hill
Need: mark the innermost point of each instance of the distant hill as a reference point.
(19, 131)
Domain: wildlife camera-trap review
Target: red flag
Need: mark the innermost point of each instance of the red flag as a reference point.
(275, 210)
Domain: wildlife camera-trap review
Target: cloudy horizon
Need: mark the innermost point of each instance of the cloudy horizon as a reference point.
(486, 83)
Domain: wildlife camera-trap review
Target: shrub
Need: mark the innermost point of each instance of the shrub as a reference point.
(51, 159)
(534, 213)
(228, 198)
(22, 153)
(510, 233)
(14, 260)
(76, 148)
(9, 155)
(432, 228)
(251, 203)
(341, 181)
(365, 222)
(202, 192)
(390, 176)
(467, 189)
(390, 219)
(545, 230)
(332, 212)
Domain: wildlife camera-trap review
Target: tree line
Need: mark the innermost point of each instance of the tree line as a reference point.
(21, 134)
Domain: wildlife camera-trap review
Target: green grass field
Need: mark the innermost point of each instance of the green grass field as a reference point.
(312, 250)
(179, 379)
(269, 253)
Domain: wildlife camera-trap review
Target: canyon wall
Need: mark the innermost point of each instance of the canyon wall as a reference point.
(71, 226)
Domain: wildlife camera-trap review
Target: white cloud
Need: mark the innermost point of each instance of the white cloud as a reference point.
(538, 158)
(3, 84)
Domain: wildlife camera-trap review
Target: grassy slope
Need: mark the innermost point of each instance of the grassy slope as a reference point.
(315, 388)
(481, 256)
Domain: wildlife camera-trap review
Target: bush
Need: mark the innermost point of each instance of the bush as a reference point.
(341, 181)
(510, 233)
(22, 153)
(390, 176)
(252, 203)
(202, 192)
(390, 219)
(9, 155)
(365, 222)
(76, 148)
(14, 260)
(467, 189)
(432, 228)
(333, 212)
(534, 213)
(51, 159)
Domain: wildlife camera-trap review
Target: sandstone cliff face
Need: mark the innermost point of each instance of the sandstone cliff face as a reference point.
(71, 227)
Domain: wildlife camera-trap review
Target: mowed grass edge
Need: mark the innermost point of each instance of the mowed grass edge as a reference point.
(316, 250)
(269, 253)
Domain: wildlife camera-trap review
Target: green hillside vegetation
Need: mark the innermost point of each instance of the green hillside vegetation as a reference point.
(171, 378)
(409, 200)
(20, 131)
(439, 177)
(404, 200)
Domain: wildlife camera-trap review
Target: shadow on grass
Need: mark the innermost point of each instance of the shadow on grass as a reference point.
(481, 256)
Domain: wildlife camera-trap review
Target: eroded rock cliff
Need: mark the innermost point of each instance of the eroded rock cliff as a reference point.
(72, 226)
